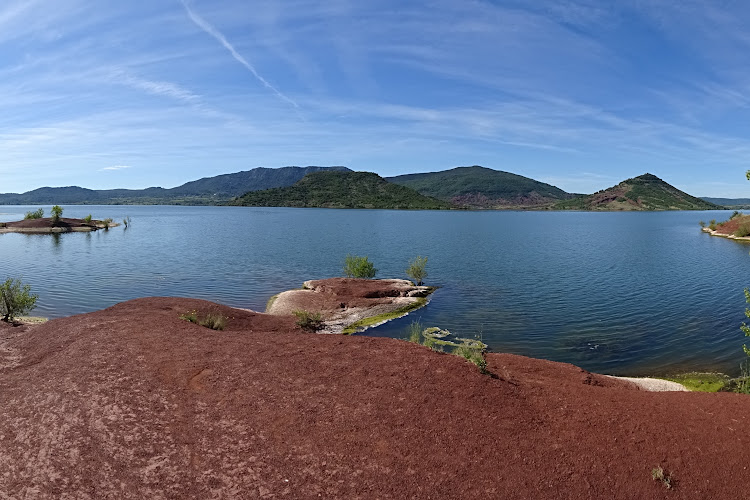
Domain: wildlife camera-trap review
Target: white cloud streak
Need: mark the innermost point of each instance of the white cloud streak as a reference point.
(115, 167)
(205, 26)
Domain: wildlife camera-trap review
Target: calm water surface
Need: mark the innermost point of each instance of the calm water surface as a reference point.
(622, 293)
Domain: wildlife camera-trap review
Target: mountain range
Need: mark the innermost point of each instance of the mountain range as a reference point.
(216, 190)
(472, 187)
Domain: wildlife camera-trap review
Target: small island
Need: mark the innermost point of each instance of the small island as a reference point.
(45, 225)
(35, 223)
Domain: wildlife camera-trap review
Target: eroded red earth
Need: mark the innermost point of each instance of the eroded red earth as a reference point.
(133, 402)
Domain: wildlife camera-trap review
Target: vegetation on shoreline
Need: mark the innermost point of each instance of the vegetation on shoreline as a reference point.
(471, 350)
(16, 299)
(382, 318)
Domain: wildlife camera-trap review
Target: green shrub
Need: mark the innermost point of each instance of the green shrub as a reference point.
(126, 222)
(473, 354)
(107, 222)
(16, 299)
(712, 224)
(214, 321)
(57, 212)
(735, 214)
(416, 269)
(359, 267)
(470, 349)
(87, 219)
(743, 230)
(36, 214)
(308, 320)
(702, 224)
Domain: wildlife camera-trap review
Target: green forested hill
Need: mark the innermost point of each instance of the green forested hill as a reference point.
(645, 192)
(341, 190)
(482, 187)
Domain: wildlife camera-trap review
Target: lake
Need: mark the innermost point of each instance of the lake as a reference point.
(621, 293)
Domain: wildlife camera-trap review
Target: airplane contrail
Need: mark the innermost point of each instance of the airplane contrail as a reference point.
(205, 26)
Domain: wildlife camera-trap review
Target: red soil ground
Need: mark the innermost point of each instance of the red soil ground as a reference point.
(45, 222)
(732, 225)
(133, 402)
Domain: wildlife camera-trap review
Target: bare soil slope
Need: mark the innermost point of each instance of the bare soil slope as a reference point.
(133, 402)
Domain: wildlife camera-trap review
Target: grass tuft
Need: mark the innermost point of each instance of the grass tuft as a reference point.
(308, 320)
(214, 321)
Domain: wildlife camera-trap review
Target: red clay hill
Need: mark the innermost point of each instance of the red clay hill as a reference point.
(134, 402)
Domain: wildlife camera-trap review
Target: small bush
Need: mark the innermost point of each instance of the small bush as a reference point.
(359, 267)
(308, 320)
(57, 212)
(126, 222)
(214, 321)
(702, 224)
(36, 214)
(735, 214)
(472, 354)
(712, 224)
(743, 230)
(16, 299)
(107, 222)
(87, 219)
(416, 269)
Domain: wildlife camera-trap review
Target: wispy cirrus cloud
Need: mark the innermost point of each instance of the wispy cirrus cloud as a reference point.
(208, 28)
(114, 167)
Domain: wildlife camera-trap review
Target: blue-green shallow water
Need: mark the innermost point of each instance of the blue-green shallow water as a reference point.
(623, 293)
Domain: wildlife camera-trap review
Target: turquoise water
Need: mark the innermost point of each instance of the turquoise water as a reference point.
(623, 293)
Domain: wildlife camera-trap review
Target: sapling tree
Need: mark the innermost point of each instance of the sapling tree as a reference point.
(16, 299)
(359, 267)
(416, 270)
(56, 214)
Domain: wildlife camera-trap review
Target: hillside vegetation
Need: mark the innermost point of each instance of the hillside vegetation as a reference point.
(342, 190)
(645, 192)
(480, 187)
(215, 190)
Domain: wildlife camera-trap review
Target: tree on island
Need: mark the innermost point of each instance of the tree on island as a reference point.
(56, 214)
(359, 267)
(15, 299)
(416, 270)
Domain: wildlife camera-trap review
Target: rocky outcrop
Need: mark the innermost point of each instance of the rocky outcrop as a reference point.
(343, 302)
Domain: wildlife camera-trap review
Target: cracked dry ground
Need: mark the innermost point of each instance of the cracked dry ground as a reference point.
(132, 402)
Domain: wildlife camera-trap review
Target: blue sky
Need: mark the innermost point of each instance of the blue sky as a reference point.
(580, 94)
